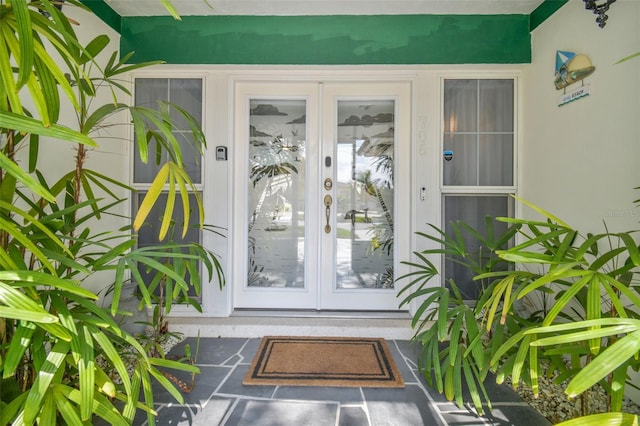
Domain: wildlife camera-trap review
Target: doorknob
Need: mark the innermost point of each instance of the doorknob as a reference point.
(327, 202)
(328, 184)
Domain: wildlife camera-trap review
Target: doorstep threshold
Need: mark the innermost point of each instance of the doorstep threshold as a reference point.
(249, 323)
(314, 313)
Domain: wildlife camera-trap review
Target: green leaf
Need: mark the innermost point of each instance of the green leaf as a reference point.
(471, 384)
(609, 360)
(167, 385)
(169, 206)
(86, 366)
(99, 115)
(626, 58)
(542, 212)
(175, 365)
(171, 9)
(23, 21)
(112, 354)
(14, 170)
(151, 197)
(603, 419)
(93, 48)
(20, 306)
(20, 341)
(41, 385)
(21, 123)
(6, 71)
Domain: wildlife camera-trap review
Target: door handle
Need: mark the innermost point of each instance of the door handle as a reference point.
(327, 202)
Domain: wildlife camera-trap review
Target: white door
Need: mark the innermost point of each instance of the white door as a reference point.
(321, 196)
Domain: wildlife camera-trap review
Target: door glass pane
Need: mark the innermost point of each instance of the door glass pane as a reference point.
(364, 194)
(276, 189)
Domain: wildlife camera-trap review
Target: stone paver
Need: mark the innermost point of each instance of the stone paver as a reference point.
(220, 398)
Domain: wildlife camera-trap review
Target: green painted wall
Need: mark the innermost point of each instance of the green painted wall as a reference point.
(542, 12)
(329, 40)
(108, 15)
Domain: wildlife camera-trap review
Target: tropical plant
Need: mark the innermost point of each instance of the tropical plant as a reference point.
(59, 349)
(589, 335)
(454, 344)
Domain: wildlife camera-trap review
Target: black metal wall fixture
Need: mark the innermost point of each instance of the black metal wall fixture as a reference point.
(599, 9)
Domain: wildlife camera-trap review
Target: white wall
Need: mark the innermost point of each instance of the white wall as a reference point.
(581, 161)
(57, 157)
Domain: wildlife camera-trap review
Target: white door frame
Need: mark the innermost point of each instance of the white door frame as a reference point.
(314, 296)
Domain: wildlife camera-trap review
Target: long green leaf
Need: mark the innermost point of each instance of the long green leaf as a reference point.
(175, 365)
(19, 343)
(114, 357)
(609, 360)
(99, 115)
(19, 306)
(21, 123)
(6, 72)
(86, 366)
(542, 212)
(14, 170)
(23, 21)
(603, 419)
(581, 336)
(169, 206)
(93, 48)
(66, 409)
(39, 278)
(41, 385)
(151, 196)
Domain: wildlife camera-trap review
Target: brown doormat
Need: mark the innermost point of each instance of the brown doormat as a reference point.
(324, 361)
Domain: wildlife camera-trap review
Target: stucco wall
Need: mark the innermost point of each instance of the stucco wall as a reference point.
(581, 161)
(111, 156)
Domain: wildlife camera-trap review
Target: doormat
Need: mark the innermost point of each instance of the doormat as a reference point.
(324, 361)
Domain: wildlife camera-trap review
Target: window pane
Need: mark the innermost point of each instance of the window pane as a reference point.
(191, 158)
(496, 160)
(186, 93)
(460, 106)
(496, 105)
(462, 168)
(478, 131)
(148, 91)
(148, 234)
(472, 210)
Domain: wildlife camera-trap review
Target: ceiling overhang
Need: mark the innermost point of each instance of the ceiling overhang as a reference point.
(364, 32)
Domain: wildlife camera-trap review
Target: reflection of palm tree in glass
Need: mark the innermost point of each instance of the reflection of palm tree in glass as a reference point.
(271, 174)
(269, 161)
(383, 233)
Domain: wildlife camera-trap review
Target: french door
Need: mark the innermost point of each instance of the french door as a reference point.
(321, 187)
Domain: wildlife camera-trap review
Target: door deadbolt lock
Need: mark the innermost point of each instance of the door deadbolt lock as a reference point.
(328, 184)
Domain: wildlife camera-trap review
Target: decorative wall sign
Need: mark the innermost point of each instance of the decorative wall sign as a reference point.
(574, 95)
(571, 68)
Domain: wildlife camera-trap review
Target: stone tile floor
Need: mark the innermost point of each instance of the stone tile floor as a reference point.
(219, 398)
